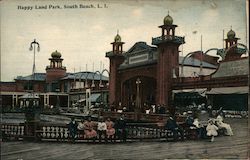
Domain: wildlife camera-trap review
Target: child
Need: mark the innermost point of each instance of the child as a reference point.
(110, 130)
(101, 129)
(211, 130)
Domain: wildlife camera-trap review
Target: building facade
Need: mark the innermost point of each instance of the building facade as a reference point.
(151, 75)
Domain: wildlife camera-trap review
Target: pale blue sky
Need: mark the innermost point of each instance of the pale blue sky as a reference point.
(83, 36)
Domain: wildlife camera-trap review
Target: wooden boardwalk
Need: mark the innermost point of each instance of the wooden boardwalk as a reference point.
(224, 147)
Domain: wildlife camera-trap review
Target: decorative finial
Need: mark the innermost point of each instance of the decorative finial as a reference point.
(231, 27)
(168, 12)
(117, 31)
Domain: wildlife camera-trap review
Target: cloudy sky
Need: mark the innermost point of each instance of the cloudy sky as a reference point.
(83, 35)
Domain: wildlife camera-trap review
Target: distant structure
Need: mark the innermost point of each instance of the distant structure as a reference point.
(56, 83)
(54, 71)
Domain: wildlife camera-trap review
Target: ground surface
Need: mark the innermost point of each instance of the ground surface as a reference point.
(225, 147)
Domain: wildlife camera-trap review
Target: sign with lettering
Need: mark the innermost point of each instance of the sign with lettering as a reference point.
(137, 59)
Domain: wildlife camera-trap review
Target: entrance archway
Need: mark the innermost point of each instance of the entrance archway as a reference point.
(147, 92)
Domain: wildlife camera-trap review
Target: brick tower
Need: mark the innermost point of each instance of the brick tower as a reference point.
(116, 58)
(54, 71)
(234, 53)
(168, 60)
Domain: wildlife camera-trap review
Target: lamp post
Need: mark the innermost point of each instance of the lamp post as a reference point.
(31, 101)
(102, 99)
(101, 87)
(33, 47)
(138, 104)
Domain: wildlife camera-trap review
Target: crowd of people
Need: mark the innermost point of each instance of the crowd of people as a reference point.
(209, 128)
(101, 130)
(144, 108)
(106, 129)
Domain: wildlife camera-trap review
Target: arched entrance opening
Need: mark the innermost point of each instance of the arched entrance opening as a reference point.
(142, 92)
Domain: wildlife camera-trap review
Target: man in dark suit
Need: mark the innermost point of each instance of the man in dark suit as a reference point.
(175, 128)
(72, 126)
(120, 126)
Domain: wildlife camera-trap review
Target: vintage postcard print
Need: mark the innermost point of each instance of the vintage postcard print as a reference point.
(128, 79)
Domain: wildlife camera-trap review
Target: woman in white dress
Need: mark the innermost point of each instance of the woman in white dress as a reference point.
(221, 124)
(201, 130)
(212, 130)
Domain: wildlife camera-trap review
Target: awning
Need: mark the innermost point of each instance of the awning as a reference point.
(199, 90)
(29, 96)
(93, 98)
(188, 95)
(229, 90)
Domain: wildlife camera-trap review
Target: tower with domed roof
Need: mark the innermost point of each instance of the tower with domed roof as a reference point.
(55, 70)
(116, 58)
(168, 59)
(117, 44)
(231, 41)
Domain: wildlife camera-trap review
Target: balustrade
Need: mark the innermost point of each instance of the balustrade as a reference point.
(12, 130)
(59, 132)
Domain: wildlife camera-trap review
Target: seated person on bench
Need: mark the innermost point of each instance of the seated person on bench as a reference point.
(89, 132)
(175, 128)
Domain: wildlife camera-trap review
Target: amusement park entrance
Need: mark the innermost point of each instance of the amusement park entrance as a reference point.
(139, 91)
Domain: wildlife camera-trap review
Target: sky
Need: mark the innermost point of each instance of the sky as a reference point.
(83, 35)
